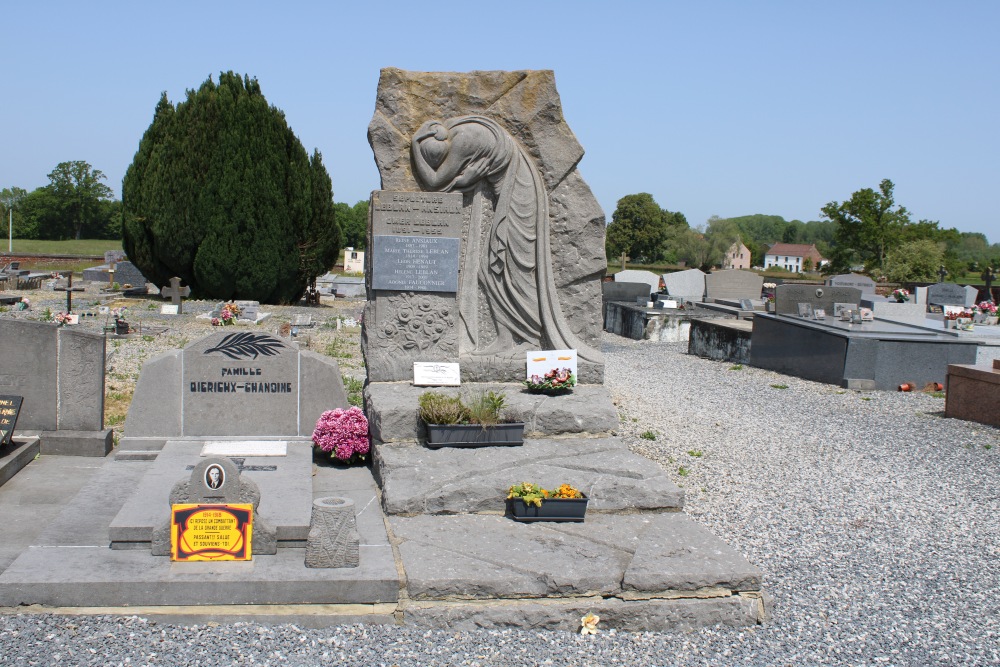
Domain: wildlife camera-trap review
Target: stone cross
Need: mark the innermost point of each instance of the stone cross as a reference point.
(175, 292)
(988, 277)
(69, 289)
(942, 272)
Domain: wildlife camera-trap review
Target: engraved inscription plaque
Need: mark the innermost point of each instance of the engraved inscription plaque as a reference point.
(415, 263)
(417, 213)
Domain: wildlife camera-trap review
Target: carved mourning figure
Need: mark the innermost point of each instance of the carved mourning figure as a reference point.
(475, 154)
(481, 197)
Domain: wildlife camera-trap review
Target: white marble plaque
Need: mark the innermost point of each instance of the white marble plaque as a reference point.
(435, 374)
(540, 362)
(169, 309)
(245, 448)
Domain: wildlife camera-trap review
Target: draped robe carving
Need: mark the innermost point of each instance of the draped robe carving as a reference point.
(513, 269)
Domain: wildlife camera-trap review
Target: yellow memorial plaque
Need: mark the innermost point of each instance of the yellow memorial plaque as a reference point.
(201, 532)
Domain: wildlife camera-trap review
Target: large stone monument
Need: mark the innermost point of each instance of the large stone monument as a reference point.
(487, 242)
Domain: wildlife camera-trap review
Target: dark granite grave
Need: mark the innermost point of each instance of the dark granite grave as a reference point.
(871, 355)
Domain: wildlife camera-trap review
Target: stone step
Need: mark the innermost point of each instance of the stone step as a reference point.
(637, 556)
(638, 572)
(19, 453)
(454, 480)
(392, 409)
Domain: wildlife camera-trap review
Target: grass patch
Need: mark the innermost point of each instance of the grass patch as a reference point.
(116, 404)
(779, 386)
(697, 453)
(683, 472)
(866, 398)
(987, 447)
(648, 435)
(354, 387)
(736, 367)
(937, 394)
(95, 247)
(336, 348)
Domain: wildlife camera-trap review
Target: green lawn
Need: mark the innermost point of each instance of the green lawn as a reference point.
(94, 247)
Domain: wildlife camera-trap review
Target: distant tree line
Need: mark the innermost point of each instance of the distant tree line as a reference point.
(869, 232)
(75, 204)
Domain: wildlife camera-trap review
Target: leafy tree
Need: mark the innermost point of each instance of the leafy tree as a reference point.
(353, 221)
(641, 229)
(222, 194)
(78, 192)
(868, 226)
(916, 260)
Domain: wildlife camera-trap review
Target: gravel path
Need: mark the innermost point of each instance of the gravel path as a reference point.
(874, 519)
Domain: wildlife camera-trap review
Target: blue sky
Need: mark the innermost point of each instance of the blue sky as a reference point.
(716, 108)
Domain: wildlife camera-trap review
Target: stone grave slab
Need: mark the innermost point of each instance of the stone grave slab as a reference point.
(392, 409)
(688, 285)
(476, 556)
(787, 297)
(416, 479)
(232, 383)
(286, 497)
(946, 294)
(733, 284)
(60, 373)
(857, 280)
(69, 564)
(634, 276)
(127, 273)
(971, 294)
(627, 292)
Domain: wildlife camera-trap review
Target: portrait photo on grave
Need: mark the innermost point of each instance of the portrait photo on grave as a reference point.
(215, 476)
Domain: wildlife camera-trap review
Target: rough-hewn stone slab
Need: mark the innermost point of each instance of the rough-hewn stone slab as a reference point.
(677, 553)
(628, 556)
(564, 615)
(418, 480)
(392, 409)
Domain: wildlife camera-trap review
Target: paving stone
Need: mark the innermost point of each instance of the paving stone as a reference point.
(418, 480)
(493, 557)
(677, 553)
(628, 556)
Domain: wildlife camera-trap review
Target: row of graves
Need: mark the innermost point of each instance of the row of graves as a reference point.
(481, 338)
(944, 336)
(643, 305)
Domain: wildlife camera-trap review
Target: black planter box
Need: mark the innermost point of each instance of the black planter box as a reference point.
(474, 435)
(552, 509)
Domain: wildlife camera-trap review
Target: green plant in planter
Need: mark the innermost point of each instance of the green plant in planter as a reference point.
(438, 408)
(532, 494)
(487, 408)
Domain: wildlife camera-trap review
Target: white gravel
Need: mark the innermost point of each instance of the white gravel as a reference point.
(874, 519)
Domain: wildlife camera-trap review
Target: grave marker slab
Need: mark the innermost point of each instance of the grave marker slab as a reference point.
(175, 293)
(633, 276)
(946, 294)
(687, 285)
(733, 284)
(861, 282)
(971, 296)
(10, 406)
(788, 297)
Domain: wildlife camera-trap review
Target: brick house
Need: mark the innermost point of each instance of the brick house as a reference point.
(737, 257)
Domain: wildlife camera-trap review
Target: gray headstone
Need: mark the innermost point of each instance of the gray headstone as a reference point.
(234, 383)
(112, 256)
(971, 294)
(97, 274)
(863, 283)
(788, 297)
(59, 371)
(946, 294)
(633, 276)
(733, 284)
(126, 273)
(532, 232)
(688, 285)
(920, 295)
(629, 292)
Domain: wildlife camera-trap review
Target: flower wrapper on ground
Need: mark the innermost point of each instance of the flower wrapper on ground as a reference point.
(343, 434)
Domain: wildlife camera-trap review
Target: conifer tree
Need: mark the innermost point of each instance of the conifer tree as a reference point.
(222, 194)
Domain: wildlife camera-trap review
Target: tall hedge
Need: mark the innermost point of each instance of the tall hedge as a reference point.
(222, 194)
